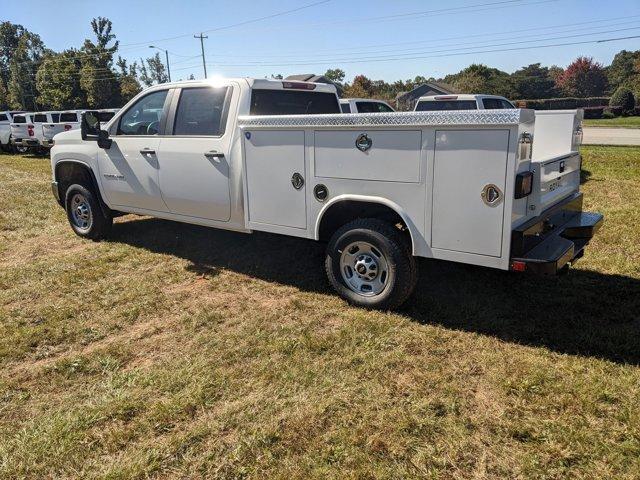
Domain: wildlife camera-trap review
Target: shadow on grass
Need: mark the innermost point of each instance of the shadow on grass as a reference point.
(583, 313)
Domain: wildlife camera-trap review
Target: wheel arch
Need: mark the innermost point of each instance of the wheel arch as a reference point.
(344, 208)
(69, 171)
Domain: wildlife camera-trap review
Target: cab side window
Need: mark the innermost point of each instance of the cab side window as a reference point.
(200, 112)
(143, 118)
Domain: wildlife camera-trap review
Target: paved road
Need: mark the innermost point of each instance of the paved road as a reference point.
(611, 136)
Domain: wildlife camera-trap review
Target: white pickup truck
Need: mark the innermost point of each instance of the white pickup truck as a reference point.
(6, 118)
(23, 132)
(364, 105)
(70, 120)
(437, 103)
(382, 189)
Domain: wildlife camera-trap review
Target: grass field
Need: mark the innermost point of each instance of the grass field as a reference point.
(623, 122)
(178, 351)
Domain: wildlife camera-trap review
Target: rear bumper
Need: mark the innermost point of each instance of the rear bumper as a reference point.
(551, 241)
(26, 142)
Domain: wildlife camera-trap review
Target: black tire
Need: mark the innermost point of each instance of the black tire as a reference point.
(386, 240)
(79, 200)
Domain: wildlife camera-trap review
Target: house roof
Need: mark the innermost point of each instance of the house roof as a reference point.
(438, 88)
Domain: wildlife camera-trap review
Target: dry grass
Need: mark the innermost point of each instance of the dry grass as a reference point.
(179, 351)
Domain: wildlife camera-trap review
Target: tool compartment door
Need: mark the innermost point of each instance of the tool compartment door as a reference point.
(276, 180)
(469, 171)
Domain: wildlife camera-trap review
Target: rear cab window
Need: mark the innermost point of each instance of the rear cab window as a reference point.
(292, 102)
(68, 117)
(345, 107)
(105, 116)
(19, 119)
(440, 105)
(55, 117)
(3, 117)
(373, 107)
(40, 118)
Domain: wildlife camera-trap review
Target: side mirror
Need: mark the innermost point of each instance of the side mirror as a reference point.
(90, 130)
(90, 126)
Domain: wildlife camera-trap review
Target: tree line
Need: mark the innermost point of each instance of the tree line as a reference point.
(33, 77)
(582, 78)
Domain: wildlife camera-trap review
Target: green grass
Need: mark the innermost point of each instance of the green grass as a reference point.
(622, 122)
(178, 351)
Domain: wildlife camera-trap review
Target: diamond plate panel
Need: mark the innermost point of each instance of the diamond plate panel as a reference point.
(417, 119)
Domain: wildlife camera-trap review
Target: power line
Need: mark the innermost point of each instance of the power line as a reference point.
(233, 25)
(411, 56)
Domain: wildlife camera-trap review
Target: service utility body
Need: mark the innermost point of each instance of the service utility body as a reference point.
(495, 188)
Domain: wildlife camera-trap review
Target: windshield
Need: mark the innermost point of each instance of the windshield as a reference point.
(292, 102)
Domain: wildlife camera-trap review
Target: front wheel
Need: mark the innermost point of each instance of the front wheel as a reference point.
(85, 215)
(369, 263)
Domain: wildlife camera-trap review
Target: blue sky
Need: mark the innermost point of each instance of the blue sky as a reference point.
(382, 39)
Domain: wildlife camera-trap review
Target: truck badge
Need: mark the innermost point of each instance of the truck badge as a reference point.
(363, 142)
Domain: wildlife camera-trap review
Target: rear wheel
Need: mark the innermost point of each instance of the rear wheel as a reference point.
(369, 264)
(84, 213)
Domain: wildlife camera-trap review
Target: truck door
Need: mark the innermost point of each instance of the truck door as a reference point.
(469, 179)
(194, 154)
(129, 169)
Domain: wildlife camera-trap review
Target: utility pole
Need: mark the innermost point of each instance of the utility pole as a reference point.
(204, 63)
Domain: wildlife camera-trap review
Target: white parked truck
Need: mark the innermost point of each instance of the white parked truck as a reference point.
(6, 118)
(364, 105)
(382, 189)
(435, 103)
(70, 120)
(23, 132)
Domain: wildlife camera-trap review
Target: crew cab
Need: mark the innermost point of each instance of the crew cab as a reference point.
(364, 105)
(5, 129)
(23, 133)
(434, 103)
(382, 188)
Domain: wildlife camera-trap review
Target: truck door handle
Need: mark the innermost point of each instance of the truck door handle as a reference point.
(147, 151)
(214, 154)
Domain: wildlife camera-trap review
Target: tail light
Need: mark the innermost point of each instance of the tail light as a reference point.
(524, 184)
(518, 266)
(30, 130)
(299, 85)
(67, 128)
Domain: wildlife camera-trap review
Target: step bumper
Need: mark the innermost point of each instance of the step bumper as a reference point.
(557, 238)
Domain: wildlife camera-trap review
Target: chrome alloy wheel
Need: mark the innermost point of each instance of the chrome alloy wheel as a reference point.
(364, 269)
(81, 212)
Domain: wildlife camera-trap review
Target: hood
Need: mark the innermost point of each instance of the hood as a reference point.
(68, 137)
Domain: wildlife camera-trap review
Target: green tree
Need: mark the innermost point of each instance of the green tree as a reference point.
(623, 97)
(157, 70)
(583, 78)
(533, 82)
(4, 97)
(622, 68)
(335, 75)
(129, 84)
(98, 80)
(20, 55)
(58, 81)
(478, 78)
